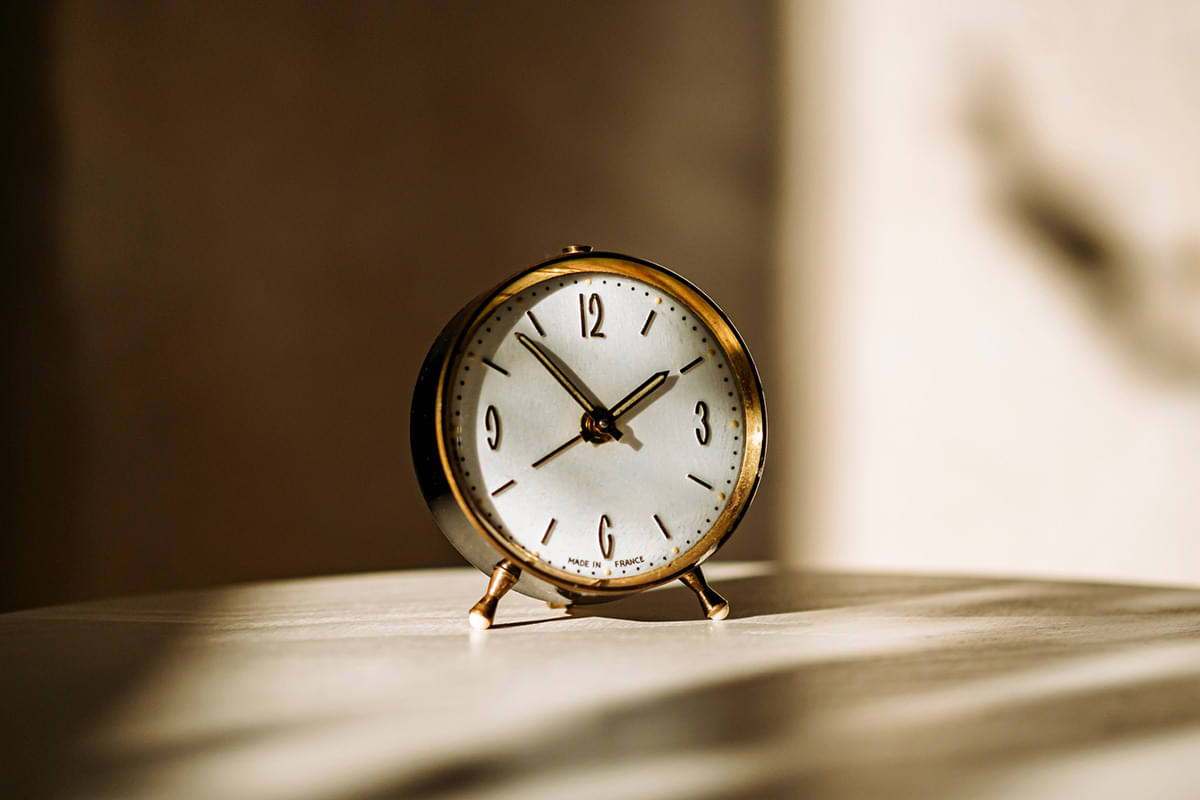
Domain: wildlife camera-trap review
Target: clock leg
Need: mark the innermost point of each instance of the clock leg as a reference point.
(715, 606)
(503, 577)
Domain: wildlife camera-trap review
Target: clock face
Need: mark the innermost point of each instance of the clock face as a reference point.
(595, 423)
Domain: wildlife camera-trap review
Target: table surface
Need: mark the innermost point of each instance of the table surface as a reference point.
(821, 685)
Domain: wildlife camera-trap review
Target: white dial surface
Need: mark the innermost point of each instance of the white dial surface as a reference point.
(609, 508)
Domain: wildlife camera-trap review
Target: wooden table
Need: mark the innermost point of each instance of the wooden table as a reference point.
(818, 686)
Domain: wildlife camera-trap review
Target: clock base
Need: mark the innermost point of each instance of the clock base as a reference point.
(504, 576)
(715, 607)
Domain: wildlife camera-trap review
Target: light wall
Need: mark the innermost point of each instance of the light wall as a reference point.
(991, 262)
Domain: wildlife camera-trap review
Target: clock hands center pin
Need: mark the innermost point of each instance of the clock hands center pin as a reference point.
(598, 424)
(623, 406)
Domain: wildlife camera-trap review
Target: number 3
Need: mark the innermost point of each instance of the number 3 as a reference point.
(703, 431)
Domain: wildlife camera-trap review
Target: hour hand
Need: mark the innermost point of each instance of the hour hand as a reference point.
(647, 388)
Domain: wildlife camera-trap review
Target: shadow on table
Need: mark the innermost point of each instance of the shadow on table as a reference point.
(1017, 688)
(66, 670)
(1023, 671)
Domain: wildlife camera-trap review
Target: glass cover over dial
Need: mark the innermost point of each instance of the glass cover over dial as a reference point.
(596, 423)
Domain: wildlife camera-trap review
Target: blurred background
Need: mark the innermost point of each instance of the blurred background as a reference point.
(961, 241)
(237, 228)
(991, 256)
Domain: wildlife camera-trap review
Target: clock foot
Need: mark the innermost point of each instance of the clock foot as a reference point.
(715, 606)
(555, 606)
(503, 577)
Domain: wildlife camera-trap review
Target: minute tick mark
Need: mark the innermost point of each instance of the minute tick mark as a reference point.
(536, 326)
(496, 367)
(662, 527)
(549, 530)
(649, 321)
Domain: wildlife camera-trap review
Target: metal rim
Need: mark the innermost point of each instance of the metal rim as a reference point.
(741, 366)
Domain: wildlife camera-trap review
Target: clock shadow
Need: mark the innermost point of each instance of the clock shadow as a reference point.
(524, 623)
(780, 591)
(748, 597)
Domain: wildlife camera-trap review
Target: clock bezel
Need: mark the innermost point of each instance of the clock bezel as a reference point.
(440, 481)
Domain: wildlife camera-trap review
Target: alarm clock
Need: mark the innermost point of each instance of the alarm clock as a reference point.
(590, 427)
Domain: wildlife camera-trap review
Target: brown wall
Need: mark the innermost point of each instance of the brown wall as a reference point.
(254, 218)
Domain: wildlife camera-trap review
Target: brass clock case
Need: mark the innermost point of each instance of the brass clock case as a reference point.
(472, 534)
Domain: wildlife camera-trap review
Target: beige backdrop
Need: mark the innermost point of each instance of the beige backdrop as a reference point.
(992, 230)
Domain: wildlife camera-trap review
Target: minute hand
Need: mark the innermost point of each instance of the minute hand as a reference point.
(598, 414)
(558, 374)
(639, 394)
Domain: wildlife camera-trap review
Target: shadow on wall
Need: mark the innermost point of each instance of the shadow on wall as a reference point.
(1145, 297)
(248, 224)
(39, 391)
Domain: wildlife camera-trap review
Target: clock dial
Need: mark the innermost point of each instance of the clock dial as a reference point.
(597, 425)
